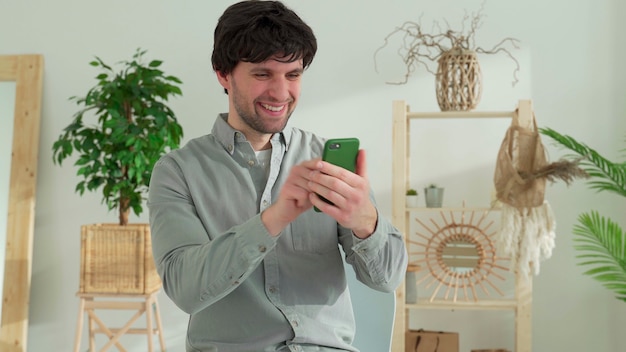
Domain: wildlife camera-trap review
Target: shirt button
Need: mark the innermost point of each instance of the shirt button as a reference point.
(295, 323)
(262, 249)
(265, 203)
(272, 289)
(251, 162)
(230, 148)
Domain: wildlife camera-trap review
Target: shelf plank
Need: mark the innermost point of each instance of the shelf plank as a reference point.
(460, 114)
(445, 209)
(500, 304)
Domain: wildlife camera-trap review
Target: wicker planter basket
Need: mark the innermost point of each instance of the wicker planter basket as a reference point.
(458, 80)
(117, 259)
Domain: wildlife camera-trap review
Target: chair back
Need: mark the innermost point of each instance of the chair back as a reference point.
(374, 313)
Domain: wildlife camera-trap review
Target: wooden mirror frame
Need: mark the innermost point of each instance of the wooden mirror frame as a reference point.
(27, 73)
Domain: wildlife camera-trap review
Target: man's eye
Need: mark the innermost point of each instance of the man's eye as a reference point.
(293, 76)
(261, 75)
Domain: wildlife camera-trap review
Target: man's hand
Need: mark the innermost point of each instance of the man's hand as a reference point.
(348, 191)
(293, 199)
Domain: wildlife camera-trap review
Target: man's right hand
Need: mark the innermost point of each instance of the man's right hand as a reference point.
(293, 198)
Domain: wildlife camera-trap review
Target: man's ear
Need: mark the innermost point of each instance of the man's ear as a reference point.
(224, 79)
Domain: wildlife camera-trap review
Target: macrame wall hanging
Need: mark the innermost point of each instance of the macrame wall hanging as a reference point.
(527, 232)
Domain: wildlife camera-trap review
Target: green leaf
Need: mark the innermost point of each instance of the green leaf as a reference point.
(612, 175)
(603, 241)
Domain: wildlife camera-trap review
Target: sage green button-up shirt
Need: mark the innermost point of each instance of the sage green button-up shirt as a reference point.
(244, 289)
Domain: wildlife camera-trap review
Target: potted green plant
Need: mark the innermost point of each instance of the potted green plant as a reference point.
(433, 196)
(454, 53)
(600, 240)
(411, 198)
(123, 126)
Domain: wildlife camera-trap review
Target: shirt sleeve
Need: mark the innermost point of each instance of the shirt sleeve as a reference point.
(198, 267)
(380, 260)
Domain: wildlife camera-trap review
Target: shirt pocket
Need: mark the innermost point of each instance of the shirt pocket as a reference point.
(314, 232)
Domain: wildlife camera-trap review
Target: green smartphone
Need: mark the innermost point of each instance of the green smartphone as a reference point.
(341, 152)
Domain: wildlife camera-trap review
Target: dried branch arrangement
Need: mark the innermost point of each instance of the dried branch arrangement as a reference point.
(420, 48)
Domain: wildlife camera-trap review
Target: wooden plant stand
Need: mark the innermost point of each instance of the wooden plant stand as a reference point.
(142, 303)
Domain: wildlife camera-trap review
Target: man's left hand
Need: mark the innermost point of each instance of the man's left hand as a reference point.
(349, 192)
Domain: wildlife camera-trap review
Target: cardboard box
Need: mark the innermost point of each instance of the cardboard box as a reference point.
(431, 341)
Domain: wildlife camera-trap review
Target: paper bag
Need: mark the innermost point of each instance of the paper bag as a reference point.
(431, 341)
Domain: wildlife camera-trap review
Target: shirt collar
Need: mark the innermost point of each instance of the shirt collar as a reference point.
(229, 136)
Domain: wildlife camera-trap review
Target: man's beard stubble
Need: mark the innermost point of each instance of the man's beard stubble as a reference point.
(251, 118)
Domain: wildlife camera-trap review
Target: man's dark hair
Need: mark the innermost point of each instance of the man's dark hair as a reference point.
(255, 30)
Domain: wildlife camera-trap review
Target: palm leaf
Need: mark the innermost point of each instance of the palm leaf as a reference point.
(605, 174)
(602, 244)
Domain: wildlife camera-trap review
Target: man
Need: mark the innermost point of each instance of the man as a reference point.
(235, 237)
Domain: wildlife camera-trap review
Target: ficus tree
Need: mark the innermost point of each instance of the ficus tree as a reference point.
(122, 128)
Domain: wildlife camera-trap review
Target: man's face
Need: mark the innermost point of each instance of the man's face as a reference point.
(263, 95)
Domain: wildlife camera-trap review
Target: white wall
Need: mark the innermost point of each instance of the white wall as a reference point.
(571, 54)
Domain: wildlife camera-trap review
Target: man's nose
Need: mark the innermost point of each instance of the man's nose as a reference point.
(279, 89)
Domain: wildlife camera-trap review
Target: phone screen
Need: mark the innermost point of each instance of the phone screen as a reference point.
(341, 152)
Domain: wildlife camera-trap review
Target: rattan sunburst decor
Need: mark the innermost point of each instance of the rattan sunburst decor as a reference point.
(457, 253)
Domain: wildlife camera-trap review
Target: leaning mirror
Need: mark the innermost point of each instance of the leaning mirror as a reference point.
(18, 210)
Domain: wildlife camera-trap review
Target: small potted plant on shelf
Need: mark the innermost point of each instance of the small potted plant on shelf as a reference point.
(433, 196)
(411, 198)
(131, 128)
(455, 52)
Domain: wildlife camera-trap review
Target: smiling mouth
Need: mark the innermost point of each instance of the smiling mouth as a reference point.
(273, 108)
